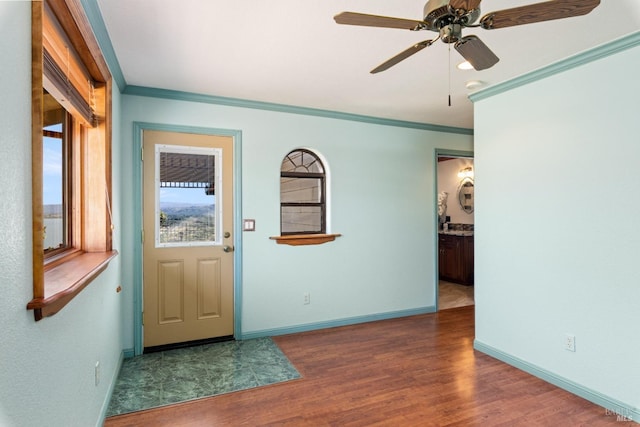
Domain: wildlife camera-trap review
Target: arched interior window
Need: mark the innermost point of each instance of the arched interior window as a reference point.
(302, 194)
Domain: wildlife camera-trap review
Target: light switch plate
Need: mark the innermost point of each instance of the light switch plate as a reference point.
(249, 225)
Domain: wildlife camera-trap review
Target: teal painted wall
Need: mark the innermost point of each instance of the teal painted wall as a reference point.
(382, 198)
(46, 368)
(556, 233)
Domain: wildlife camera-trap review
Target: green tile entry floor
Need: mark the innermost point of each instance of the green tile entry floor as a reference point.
(172, 376)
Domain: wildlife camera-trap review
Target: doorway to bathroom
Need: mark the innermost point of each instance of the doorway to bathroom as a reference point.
(455, 182)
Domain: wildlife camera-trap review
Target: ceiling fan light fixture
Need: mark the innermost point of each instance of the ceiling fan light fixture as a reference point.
(464, 65)
(474, 84)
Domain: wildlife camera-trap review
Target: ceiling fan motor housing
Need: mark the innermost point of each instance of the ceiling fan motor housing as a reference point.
(451, 33)
(438, 13)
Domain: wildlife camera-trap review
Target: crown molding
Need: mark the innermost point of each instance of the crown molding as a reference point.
(598, 52)
(283, 108)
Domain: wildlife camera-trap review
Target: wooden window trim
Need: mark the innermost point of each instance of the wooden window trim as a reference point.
(65, 280)
(304, 239)
(58, 279)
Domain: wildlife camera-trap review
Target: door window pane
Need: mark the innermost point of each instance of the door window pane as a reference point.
(188, 211)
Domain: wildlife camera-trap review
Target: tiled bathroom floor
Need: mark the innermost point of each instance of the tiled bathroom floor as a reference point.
(452, 295)
(172, 376)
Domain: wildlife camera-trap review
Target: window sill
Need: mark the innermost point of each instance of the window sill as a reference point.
(305, 239)
(65, 280)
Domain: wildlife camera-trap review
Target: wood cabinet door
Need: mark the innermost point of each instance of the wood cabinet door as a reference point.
(468, 261)
(450, 259)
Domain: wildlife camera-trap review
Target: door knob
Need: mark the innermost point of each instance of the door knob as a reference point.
(227, 234)
(227, 249)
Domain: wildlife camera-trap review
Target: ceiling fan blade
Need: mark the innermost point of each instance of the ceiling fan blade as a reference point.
(476, 52)
(402, 56)
(464, 4)
(538, 12)
(353, 18)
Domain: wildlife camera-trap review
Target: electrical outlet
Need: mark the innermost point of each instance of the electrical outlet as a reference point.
(97, 373)
(570, 342)
(307, 298)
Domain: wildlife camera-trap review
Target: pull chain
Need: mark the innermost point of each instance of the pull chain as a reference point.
(449, 68)
(112, 226)
(106, 193)
(92, 97)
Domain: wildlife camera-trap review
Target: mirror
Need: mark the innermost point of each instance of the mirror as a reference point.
(465, 195)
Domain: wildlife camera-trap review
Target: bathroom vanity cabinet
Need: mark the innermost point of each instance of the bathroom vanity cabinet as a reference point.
(455, 258)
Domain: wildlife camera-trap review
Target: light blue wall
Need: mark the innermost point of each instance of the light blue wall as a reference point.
(557, 238)
(46, 368)
(382, 196)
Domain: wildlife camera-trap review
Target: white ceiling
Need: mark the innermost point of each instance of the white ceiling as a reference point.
(292, 52)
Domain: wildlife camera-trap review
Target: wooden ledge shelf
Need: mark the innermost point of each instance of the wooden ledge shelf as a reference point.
(64, 281)
(305, 239)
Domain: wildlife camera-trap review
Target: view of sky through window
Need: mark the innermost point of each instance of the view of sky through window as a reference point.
(191, 196)
(52, 168)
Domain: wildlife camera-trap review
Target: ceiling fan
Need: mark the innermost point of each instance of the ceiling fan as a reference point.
(449, 17)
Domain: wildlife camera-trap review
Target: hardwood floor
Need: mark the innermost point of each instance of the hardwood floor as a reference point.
(413, 371)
